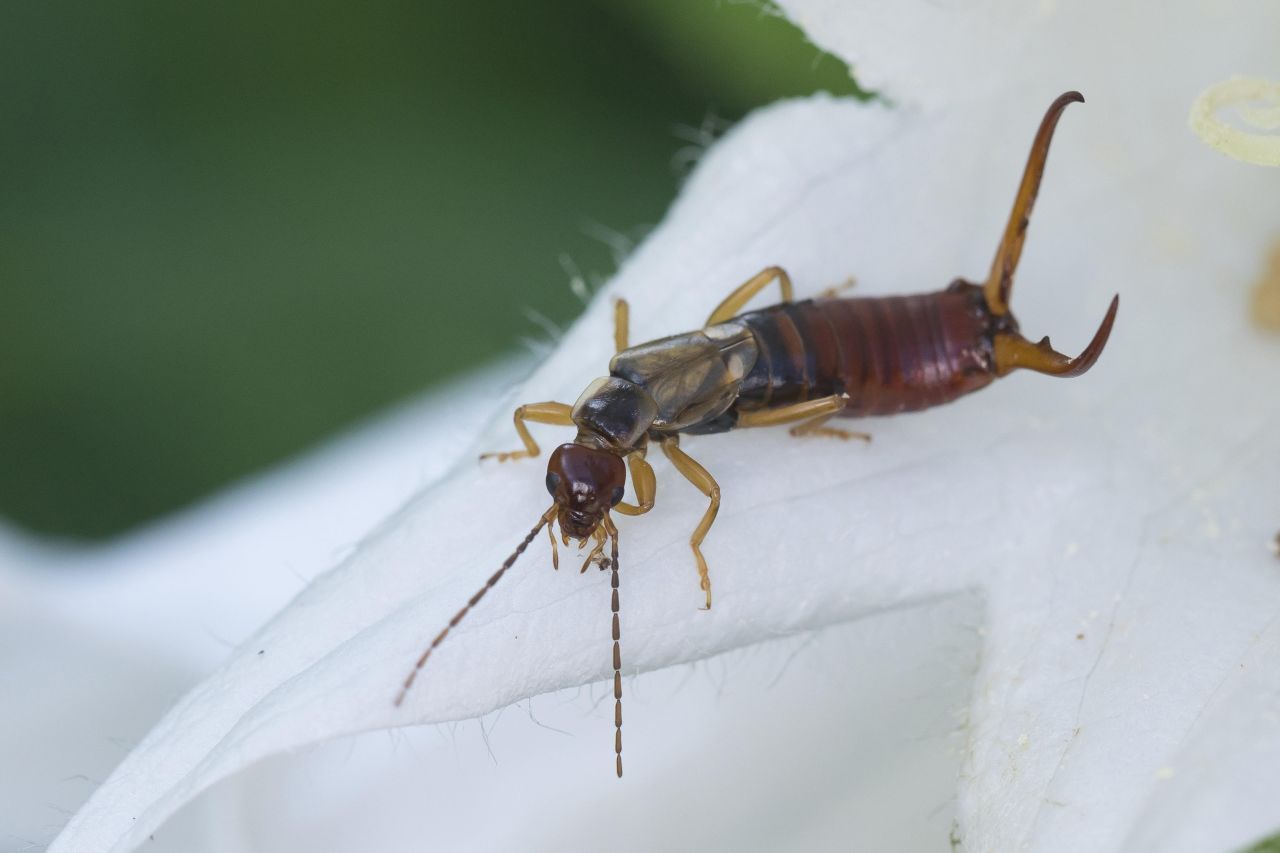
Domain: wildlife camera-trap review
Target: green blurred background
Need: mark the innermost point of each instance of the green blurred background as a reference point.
(229, 230)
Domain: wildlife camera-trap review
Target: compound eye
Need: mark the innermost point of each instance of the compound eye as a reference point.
(553, 482)
(617, 496)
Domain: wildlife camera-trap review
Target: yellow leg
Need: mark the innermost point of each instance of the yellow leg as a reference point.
(557, 414)
(732, 305)
(597, 553)
(696, 474)
(836, 290)
(621, 324)
(555, 550)
(808, 410)
(645, 484)
(813, 413)
(815, 427)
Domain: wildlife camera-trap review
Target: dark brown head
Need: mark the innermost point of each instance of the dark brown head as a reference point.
(585, 483)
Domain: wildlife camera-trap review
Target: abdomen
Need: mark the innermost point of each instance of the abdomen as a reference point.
(888, 354)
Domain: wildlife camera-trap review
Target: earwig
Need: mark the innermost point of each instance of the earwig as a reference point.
(799, 363)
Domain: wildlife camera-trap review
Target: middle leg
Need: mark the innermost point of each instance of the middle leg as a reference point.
(696, 474)
(621, 324)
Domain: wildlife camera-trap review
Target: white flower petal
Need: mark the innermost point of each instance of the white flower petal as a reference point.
(98, 642)
(861, 749)
(1070, 747)
(1117, 524)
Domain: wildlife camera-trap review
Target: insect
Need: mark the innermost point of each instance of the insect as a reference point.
(799, 363)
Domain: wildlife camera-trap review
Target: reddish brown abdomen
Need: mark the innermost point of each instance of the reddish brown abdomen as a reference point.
(888, 354)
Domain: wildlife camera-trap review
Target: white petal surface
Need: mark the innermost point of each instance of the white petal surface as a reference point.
(1166, 707)
(99, 642)
(1117, 525)
(812, 743)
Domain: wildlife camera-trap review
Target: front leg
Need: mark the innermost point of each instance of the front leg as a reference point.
(645, 484)
(696, 474)
(556, 414)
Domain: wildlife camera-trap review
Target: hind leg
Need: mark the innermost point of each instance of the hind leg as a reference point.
(817, 427)
(812, 414)
(836, 289)
(733, 303)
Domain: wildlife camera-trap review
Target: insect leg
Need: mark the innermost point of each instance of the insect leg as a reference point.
(836, 289)
(732, 304)
(621, 324)
(696, 474)
(555, 550)
(816, 427)
(597, 553)
(813, 413)
(645, 484)
(557, 414)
